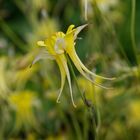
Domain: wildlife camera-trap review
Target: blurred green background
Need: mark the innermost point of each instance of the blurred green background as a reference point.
(110, 46)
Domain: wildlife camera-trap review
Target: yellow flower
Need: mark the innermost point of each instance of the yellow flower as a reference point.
(56, 47)
(23, 103)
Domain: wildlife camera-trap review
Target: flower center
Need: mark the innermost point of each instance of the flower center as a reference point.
(60, 45)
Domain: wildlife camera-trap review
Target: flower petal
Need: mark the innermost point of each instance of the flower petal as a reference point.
(69, 39)
(59, 46)
(79, 29)
(87, 70)
(70, 28)
(71, 35)
(41, 43)
(43, 54)
(63, 77)
(64, 62)
(78, 66)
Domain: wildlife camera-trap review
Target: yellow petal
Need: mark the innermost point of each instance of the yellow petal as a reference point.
(79, 29)
(87, 70)
(64, 62)
(76, 62)
(69, 39)
(74, 32)
(70, 28)
(63, 77)
(50, 43)
(41, 43)
(42, 54)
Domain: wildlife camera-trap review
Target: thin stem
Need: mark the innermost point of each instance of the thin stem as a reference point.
(98, 114)
(73, 73)
(133, 26)
(86, 9)
(132, 30)
(86, 125)
(89, 107)
(76, 127)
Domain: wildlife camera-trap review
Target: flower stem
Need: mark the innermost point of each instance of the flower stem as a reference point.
(73, 73)
(90, 106)
(132, 30)
(133, 26)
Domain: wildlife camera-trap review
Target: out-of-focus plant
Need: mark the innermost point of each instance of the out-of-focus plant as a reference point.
(22, 103)
(4, 89)
(106, 7)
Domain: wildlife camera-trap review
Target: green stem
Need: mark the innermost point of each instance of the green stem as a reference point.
(73, 73)
(75, 123)
(98, 114)
(76, 127)
(89, 108)
(86, 125)
(132, 30)
(133, 26)
(86, 9)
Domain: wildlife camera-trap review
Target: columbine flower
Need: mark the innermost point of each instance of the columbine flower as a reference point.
(23, 103)
(56, 47)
